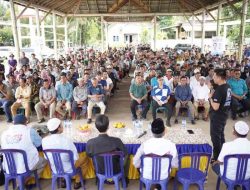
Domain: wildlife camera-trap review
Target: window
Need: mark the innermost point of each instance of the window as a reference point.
(115, 38)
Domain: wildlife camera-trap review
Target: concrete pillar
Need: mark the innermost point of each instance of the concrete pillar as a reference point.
(102, 33)
(32, 33)
(225, 31)
(218, 20)
(43, 34)
(66, 43)
(14, 30)
(192, 32)
(106, 34)
(154, 48)
(19, 34)
(242, 28)
(38, 29)
(203, 31)
(54, 34)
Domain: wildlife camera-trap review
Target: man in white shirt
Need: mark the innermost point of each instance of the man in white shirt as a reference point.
(241, 145)
(20, 136)
(58, 141)
(201, 95)
(157, 145)
(194, 80)
(168, 79)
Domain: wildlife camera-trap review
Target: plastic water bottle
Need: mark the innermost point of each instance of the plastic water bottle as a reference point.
(69, 127)
(138, 127)
(184, 123)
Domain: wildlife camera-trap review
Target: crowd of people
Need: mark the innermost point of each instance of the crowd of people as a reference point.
(74, 85)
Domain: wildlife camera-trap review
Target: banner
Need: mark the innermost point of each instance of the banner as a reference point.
(218, 45)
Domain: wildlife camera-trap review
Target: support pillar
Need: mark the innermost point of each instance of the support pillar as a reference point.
(38, 29)
(43, 34)
(14, 29)
(242, 28)
(192, 32)
(107, 37)
(102, 33)
(202, 31)
(54, 34)
(66, 43)
(218, 20)
(225, 31)
(154, 48)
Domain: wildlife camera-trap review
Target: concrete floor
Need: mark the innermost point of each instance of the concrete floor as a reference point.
(118, 110)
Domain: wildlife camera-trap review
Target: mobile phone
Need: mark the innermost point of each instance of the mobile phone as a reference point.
(190, 131)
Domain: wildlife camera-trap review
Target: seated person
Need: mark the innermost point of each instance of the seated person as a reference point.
(138, 93)
(20, 136)
(59, 141)
(23, 94)
(95, 97)
(201, 95)
(64, 96)
(109, 82)
(161, 95)
(241, 145)
(239, 103)
(183, 96)
(6, 100)
(157, 145)
(80, 94)
(34, 90)
(47, 97)
(105, 143)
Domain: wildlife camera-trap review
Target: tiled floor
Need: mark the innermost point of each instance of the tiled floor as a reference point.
(118, 110)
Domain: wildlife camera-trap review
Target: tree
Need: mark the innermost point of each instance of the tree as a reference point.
(145, 36)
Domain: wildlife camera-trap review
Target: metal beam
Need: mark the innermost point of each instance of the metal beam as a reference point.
(117, 5)
(218, 20)
(25, 8)
(141, 5)
(66, 43)
(46, 15)
(242, 28)
(206, 9)
(129, 14)
(203, 31)
(183, 4)
(54, 34)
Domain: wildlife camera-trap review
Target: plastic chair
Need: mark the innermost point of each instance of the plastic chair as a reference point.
(60, 173)
(156, 171)
(193, 174)
(243, 160)
(164, 109)
(108, 169)
(12, 175)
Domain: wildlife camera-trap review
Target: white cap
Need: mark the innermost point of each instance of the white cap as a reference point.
(196, 71)
(53, 124)
(241, 127)
(202, 77)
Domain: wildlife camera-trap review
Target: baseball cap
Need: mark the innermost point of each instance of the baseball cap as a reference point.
(241, 127)
(53, 124)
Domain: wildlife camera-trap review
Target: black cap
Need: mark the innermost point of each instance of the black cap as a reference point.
(157, 126)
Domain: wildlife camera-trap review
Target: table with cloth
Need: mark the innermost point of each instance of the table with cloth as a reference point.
(185, 143)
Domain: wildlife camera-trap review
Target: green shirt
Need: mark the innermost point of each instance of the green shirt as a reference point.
(138, 91)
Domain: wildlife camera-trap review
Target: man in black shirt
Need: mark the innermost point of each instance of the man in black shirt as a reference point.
(220, 100)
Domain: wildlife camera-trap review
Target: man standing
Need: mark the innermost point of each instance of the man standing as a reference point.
(220, 101)
(6, 99)
(138, 93)
(47, 96)
(23, 60)
(23, 94)
(64, 96)
(20, 136)
(58, 141)
(96, 96)
(161, 95)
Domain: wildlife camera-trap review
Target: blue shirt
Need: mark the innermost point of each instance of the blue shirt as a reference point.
(64, 92)
(183, 93)
(35, 138)
(161, 93)
(103, 83)
(154, 82)
(95, 90)
(238, 87)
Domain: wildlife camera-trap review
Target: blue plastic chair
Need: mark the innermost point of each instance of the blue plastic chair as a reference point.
(156, 171)
(60, 173)
(164, 109)
(243, 160)
(12, 175)
(192, 174)
(108, 169)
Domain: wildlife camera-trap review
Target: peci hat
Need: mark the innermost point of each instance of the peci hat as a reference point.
(169, 70)
(241, 127)
(196, 71)
(19, 119)
(53, 124)
(157, 126)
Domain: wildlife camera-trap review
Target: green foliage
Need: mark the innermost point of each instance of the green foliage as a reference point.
(145, 36)
(6, 36)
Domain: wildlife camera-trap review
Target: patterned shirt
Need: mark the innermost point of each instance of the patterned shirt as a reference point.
(161, 93)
